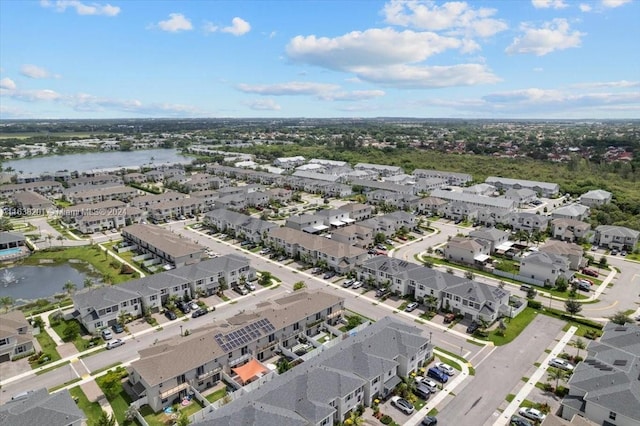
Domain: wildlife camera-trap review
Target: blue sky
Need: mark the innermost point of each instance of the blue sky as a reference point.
(327, 58)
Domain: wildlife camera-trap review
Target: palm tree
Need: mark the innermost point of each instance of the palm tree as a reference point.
(69, 287)
(60, 238)
(557, 375)
(6, 302)
(49, 238)
(105, 420)
(87, 283)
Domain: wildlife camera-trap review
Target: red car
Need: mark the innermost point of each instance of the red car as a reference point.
(590, 272)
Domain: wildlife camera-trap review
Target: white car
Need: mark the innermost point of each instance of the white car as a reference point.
(115, 343)
(194, 306)
(433, 386)
(356, 285)
(562, 364)
(445, 368)
(533, 414)
(403, 405)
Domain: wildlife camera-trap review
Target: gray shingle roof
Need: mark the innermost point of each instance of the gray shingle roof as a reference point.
(40, 408)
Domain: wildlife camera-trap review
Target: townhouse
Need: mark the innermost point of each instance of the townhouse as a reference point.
(354, 235)
(493, 236)
(288, 163)
(280, 195)
(459, 210)
(315, 176)
(310, 223)
(481, 189)
(570, 230)
(390, 223)
(430, 205)
(542, 268)
(171, 210)
(36, 407)
(604, 387)
(324, 390)
(169, 369)
(45, 187)
(146, 201)
(101, 179)
(521, 197)
(16, 339)
(597, 197)
(137, 178)
(572, 211)
(357, 211)
(573, 252)
(467, 250)
(524, 221)
(100, 307)
(334, 218)
(452, 178)
(373, 185)
(380, 169)
(437, 289)
(163, 245)
(111, 219)
(32, 201)
(616, 237)
(337, 256)
(426, 185)
(544, 189)
(86, 194)
(242, 226)
(475, 200)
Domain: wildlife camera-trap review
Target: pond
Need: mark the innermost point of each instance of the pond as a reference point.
(97, 160)
(25, 283)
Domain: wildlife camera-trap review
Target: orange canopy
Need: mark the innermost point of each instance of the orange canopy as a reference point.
(250, 370)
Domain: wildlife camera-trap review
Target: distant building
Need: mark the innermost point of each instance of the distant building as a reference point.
(617, 237)
(16, 339)
(597, 197)
(544, 189)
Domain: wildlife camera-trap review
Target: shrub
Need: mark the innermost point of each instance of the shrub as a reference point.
(385, 420)
(534, 304)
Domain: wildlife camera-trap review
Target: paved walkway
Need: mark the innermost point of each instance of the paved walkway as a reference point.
(513, 406)
(121, 260)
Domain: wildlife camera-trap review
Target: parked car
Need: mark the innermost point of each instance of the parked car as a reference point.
(402, 404)
(584, 286)
(316, 271)
(199, 312)
(170, 314)
(381, 292)
(117, 328)
(193, 305)
(517, 420)
(115, 343)
(240, 290)
(614, 252)
(184, 307)
(590, 272)
(561, 363)
(437, 374)
(422, 391)
(106, 334)
(411, 307)
(623, 253)
(446, 368)
(533, 414)
(473, 327)
(429, 421)
(348, 283)
(356, 285)
(433, 386)
(265, 250)
(250, 286)
(329, 274)
(448, 318)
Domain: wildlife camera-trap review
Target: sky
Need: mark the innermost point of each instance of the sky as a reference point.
(500, 59)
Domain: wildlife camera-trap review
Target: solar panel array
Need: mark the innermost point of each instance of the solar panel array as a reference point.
(238, 338)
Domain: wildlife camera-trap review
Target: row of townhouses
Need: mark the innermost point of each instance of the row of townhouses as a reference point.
(101, 307)
(169, 369)
(326, 389)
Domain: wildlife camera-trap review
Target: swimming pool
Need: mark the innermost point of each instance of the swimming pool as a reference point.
(10, 251)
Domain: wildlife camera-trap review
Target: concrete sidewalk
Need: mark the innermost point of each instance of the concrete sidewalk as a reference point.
(513, 406)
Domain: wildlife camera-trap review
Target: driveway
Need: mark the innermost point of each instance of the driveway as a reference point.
(501, 372)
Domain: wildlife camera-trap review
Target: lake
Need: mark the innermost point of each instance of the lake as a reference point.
(39, 282)
(96, 160)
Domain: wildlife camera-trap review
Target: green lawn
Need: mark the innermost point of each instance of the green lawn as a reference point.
(162, 419)
(514, 327)
(91, 409)
(80, 343)
(120, 404)
(89, 254)
(48, 347)
(220, 393)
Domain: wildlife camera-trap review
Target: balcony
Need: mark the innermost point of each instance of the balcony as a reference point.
(174, 390)
(209, 373)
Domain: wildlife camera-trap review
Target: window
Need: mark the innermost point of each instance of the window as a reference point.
(272, 337)
(296, 326)
(612, 415)
(4, 341)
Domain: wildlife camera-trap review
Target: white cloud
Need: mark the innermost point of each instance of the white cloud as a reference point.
(585, 7)
(263, 105)
(373, 47)
(552, 36)
(238, 27)
(428, 77)
(34, 71)
(546, 4)
(356, 95)
(614, 3)
(289, 88)
(456, 16)
(31, 95)
(82, 8)
(209, 27)
(538, 69)
(607, 84)
(8, 84)
(177, 22)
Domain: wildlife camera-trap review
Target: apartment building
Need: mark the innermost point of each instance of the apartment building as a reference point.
(467, 250)
(357, 211)
(324, 390)
(243, 226)
(544, 189)
(32, 201)
(570, 229)
(597, 197)
(166, 371)
(88, 194)
(479, 201)
(16, 339)
(452, 178)
(163, 245)
(616, 237)
(45, 187)
(354, 235)
(540, 268)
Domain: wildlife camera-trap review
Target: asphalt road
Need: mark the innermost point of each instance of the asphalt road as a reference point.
(498, 375)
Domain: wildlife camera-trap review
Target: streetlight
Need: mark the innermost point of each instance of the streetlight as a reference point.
(181, 331)
(430, 334)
